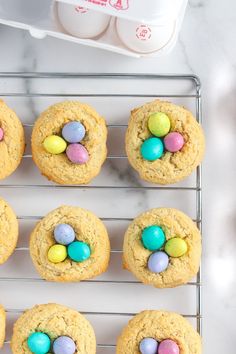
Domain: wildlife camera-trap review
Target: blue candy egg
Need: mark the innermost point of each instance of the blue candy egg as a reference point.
(64, 345)
(148, 346)
(79, 251)
(39, 343)
(153, 238)
(64, 234)
(152, 149)
(158, 262)
(73, 132)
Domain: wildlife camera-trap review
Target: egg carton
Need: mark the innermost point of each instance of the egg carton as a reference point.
(40, 18)
(155, 12)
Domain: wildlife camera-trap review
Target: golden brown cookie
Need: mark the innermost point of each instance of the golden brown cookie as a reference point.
(12, 144)
(59, 168)
(8, 231)
(174, 224)
(2, 326)
(88, 228)
(171, 167)
(55, 321)
(159, 325)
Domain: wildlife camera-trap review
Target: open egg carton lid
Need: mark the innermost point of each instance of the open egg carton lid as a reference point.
(148, 12)
(41, 19)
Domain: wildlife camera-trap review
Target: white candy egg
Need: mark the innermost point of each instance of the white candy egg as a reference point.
(82, 22)
(143, 38)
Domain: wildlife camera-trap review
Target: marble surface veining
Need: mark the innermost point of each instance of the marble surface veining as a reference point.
(206, 48)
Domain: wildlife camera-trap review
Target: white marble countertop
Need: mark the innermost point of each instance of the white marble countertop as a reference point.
(204, 48)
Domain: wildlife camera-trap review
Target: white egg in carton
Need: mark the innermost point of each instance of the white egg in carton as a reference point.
(129, 27)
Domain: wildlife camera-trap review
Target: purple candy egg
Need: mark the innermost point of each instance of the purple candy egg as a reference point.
(64, 345)
(168, 346)
(1, 134)
(73, 132)
(158, 262)
(64, 234)
(148, 346)
(77, 153)
(174, 142)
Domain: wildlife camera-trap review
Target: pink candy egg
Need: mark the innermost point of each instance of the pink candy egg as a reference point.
(77, 153)
(174, 142)
(168, 346)
(1, 134)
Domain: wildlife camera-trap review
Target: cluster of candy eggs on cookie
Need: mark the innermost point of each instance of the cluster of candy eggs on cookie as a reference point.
(70, 142)
(162, 140)
(66, 246)
(154, 239)
(152, 346)
(40, 343)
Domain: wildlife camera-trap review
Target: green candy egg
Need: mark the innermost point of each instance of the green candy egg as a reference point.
(153, 238)
(79, 251)
(152, 149)
(39, 343)
(159, 124)
(176, 247)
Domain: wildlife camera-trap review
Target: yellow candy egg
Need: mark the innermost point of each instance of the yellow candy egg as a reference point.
(57, 253)
(54, 144)
(159, 124)
(176, 247)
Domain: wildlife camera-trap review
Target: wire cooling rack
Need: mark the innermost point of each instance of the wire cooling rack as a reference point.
(116, 196)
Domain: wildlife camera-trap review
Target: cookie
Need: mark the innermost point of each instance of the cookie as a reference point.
(65, 162)
(88, 230)
(8, 231)
(12, 141)
(162, 247)
(54, 321)
(2, 326)
(152, 160)
(160, 326)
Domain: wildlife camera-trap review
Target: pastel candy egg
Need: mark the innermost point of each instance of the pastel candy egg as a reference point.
(152, 149)
(158, 262)
(73, 132)
(153, 237)
(57, 253)
(79, 251)
(159, 124)
(176, 247)
(54, 144)
(168, 346)
(77, 153)
(64, 234)
(64, 345)
(1, 134)
(148, 346)
(39, 343)
(174, 142)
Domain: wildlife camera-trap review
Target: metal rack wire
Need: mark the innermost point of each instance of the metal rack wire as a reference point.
(197, 188)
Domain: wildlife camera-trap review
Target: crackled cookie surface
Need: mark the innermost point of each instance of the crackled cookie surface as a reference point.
(168, 329)
(59, 155)
(2, 325)
(162, 247)
(53, 321)
(70, 244)
(164, 142)
(12, 141)
(8, 231)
